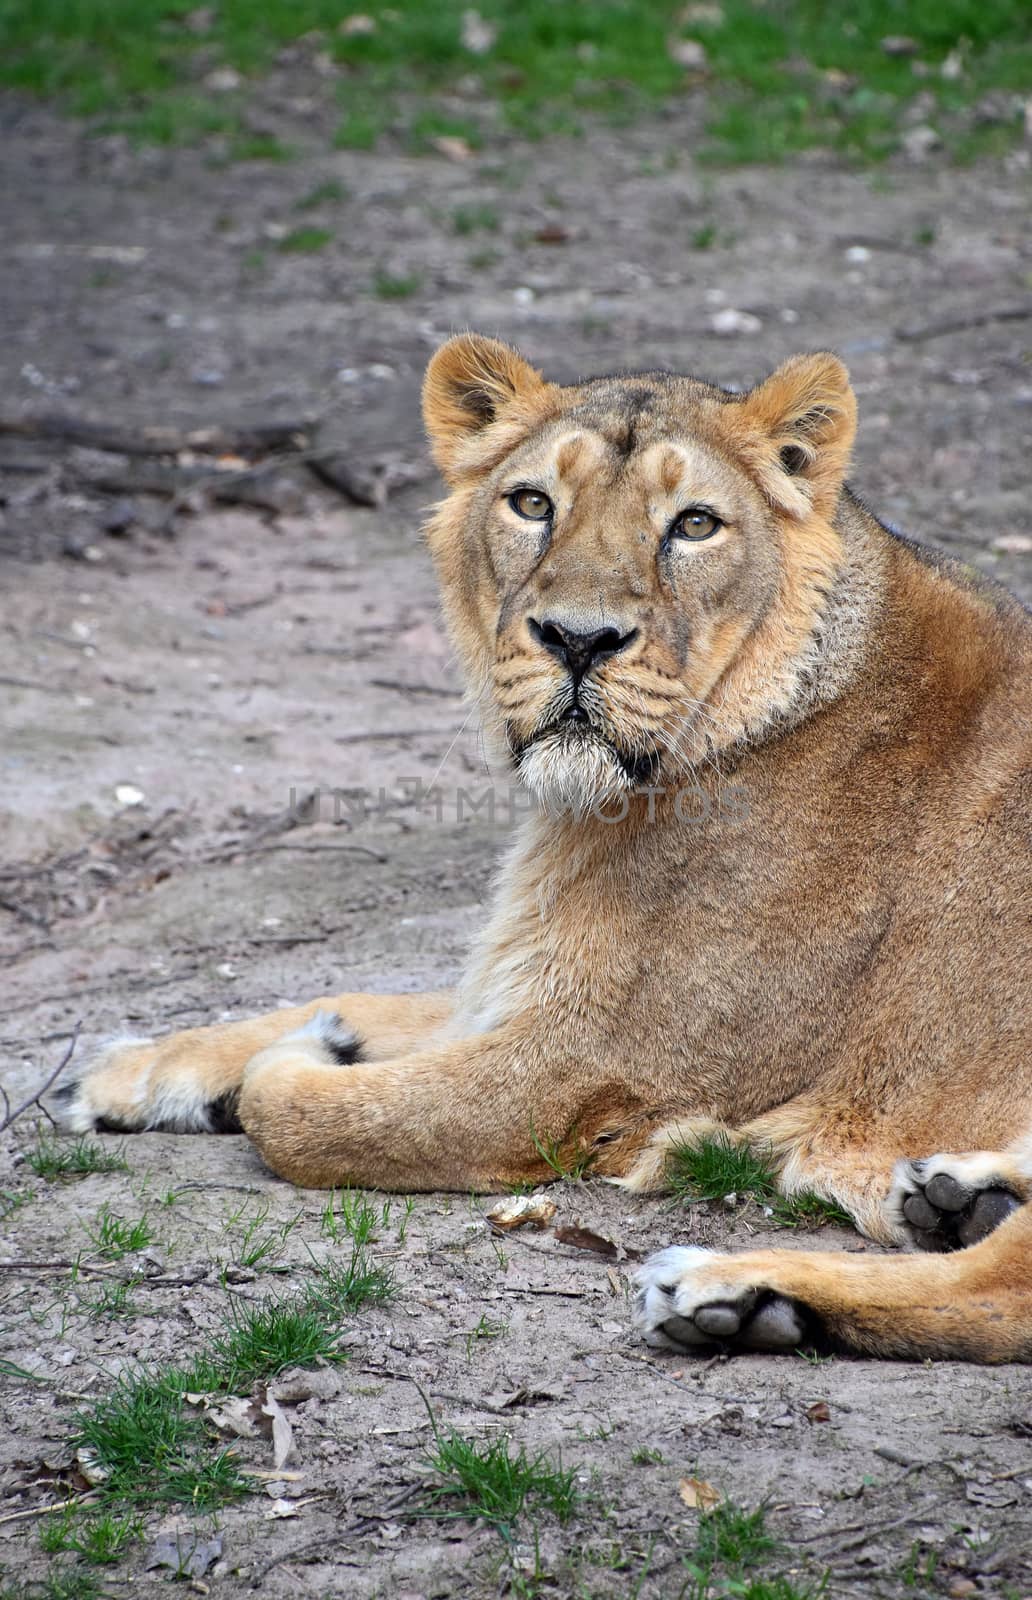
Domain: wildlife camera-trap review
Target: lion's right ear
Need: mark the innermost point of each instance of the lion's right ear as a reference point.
(471, 383)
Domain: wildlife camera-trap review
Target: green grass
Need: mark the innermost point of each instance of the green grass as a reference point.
(395, 286)
(153, 1447)
(484, 1329)
(113, 1301)
(99, 1538)
(780, 76)
(729, 1542)
(352, 1216)
(261, 1246)
(64, 1583)
(58, 1159)
(331, 192)
(480, 218)
(305, 241)
(263, 1339)
(551, 1153)
(113, 1237)
(734, 1536)
(495, 1483)
(340, 1288)
(720, 1167)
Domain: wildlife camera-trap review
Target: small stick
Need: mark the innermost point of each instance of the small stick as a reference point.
(157, 441)
(981, 319)
(47, 1511)
(34, 1099)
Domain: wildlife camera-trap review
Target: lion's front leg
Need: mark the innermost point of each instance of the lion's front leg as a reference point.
(475, 1113)
(189, 1082)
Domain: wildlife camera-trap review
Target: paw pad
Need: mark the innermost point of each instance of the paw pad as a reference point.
(682, 1304)
(945, 1209)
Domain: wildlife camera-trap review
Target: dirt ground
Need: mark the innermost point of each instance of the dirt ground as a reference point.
(218, 676)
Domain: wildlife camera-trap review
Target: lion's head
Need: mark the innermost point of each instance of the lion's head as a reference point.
(633, 568)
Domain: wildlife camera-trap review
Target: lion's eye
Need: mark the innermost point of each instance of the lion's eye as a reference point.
(695, 523)
(531, 503)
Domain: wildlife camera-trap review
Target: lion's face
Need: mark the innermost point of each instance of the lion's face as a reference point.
(631, 568)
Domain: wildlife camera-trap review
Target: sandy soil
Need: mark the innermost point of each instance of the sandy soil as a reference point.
(250, 660)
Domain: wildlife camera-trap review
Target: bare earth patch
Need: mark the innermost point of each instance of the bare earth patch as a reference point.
(176, 711)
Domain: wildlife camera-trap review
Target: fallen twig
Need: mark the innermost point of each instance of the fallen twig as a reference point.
(235, 488)
(979, 319)
(308, 1551)
(331, 468)
(47, 1511)
(35, 1099)
(122, 440)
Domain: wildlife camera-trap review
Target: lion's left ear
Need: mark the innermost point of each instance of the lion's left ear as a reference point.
(471, 383)
(805, 417)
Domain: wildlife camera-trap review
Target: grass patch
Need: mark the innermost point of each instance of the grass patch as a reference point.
(482, 218)
(551, 1152)
(324, 194)
(719, 1168)
(495, 1483)
(352, 1215)
(150, 1441)
(99, 1539)
(395, 286)
(734, 1536)
(484, 1329)
(305, 241)
(113, 1237)
(263, 1339)
(780, 78)
(261, 1246)
(339, 1289)
(57, 1160)
(729, 1542)
(112, 1302)
(153, 1447)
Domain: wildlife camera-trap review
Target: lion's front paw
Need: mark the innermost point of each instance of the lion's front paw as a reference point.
(135, 1084)
(947, 1201)
(687, 1298)
(109, 1093)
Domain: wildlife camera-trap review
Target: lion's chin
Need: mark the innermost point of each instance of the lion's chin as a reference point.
(570, 771)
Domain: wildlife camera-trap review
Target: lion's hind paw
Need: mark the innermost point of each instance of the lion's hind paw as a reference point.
(947, 1202)
(688, 1298)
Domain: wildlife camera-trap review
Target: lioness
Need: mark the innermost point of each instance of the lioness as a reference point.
(661, 589)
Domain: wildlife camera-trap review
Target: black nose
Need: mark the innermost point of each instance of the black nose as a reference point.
(579, 651)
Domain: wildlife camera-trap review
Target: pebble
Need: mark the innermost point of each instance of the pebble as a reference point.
(729, 322)
(919, 142)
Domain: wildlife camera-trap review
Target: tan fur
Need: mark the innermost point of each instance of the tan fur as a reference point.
(779, 881)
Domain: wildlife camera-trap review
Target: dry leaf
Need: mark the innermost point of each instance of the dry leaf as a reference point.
(234, 1415)
(818, 1412)
(521, 1210)
(91, 1467)
(184, 1553)
(477, 35)
(688, 53)
(450, 145)
(282, 1432)
(698, 1494)
(357, 26)
(280, 1509)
